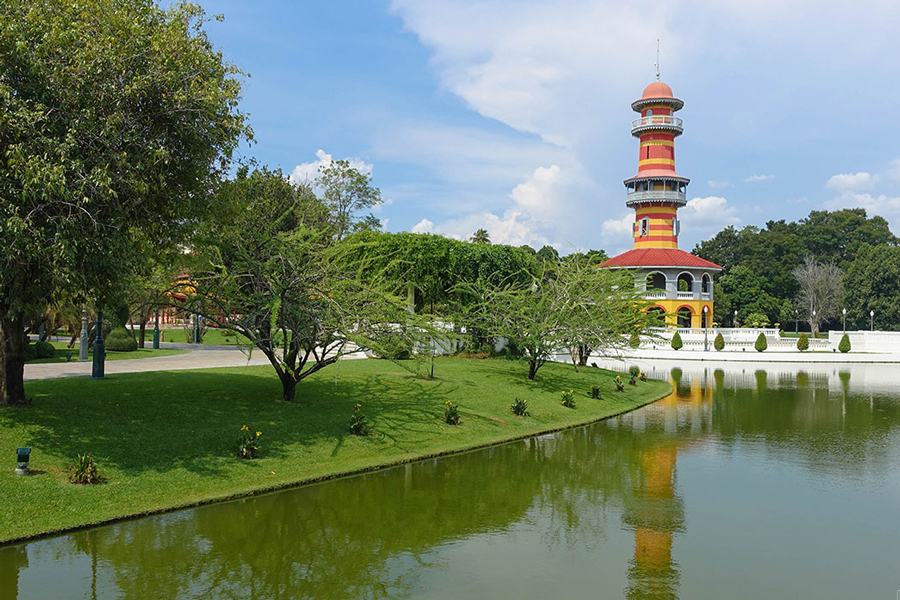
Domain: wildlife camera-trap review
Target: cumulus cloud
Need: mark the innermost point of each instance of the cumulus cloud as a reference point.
(537, 194)
(707, 216)
(308, 172)
(617, 235)
(423, 226)
(849, 182)
(756, 178)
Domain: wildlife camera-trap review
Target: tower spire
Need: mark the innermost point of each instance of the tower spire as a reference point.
(656, 64)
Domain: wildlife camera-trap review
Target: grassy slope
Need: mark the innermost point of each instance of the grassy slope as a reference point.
(167, 439)
(212, 337)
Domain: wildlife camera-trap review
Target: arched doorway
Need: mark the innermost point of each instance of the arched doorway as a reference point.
(656, 281)
(685, 316)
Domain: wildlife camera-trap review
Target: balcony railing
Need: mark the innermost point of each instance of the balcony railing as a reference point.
(657, 122)
(685, 295)
(656, 196)
(655, 294)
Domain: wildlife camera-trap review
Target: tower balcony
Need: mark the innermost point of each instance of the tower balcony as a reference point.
(657, 122)
(675, 197)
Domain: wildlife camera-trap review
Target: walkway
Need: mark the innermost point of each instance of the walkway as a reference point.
(198, 357)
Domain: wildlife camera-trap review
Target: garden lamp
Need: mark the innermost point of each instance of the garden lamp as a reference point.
(872, 320)
(23, 455)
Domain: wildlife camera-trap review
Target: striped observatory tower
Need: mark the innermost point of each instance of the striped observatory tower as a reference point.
(678, 283)
(657, 191)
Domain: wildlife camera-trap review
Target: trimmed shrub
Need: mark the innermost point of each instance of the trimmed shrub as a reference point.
(120, 340)
(803, 342)
(844, 346)
(761, 343)
(30, 352)
(44, 349)
(677, 344)
(719, 343)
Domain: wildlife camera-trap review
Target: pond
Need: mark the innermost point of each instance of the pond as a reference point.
(760, 481)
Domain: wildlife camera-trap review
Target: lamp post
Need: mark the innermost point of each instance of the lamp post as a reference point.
(99, 367)
(83, 341)
(156, 331)
(734, 321)
(844, 322)
(871, 320)
(812, 325)
(705, 329)
(196, 329)
(23, 456)
(796, 322)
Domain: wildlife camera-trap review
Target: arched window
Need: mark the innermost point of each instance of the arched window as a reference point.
(645, 226)
(706, 283)
(684, 316)
(656, 281)
(685, 282)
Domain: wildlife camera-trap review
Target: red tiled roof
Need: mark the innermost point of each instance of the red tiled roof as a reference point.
(659, 257)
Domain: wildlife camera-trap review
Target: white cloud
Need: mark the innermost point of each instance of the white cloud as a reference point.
(707, 216)
(423, 226)
(717, 185)
(537, 194)
(894, 170)
(309, 172)
(850, 182)
(617, 235)
(882, 205)
(756, 178)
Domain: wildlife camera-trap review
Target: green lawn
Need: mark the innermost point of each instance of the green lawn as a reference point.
(168, 439)
(213, 337)
(61, 351)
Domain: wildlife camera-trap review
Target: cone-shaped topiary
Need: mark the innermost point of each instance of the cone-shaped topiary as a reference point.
(844, 346)
(676, 342)
(761, 343)
(635, 340)
(803, 342)
(719, 343)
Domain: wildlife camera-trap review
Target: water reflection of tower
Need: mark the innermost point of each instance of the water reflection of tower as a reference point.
(655, 511)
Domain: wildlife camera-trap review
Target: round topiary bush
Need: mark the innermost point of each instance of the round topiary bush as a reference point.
(844, 346)
(761, 343)
(44, 349)
(719, 343)
(30, 352)
(677, 344)
(803, 342)
(120, 340)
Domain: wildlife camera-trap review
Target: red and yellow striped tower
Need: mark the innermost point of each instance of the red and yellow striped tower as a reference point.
(679, 283)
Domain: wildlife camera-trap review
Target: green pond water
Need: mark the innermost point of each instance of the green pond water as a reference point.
(754, 481)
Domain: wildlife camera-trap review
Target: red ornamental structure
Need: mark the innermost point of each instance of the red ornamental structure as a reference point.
(678, 283)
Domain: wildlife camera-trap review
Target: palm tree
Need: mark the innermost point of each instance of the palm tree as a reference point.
(480, 237)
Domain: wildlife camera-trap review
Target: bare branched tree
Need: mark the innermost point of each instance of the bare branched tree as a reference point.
(821, 291)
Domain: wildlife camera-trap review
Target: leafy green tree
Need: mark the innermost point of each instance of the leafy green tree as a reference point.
(838, 236)
(481, 236)
(118, 116)
(347, 191)
(269, 267)
(761, 343)
(567, 304)
(872, 284)
(548, 254)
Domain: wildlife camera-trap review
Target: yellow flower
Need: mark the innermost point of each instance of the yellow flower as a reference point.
(258, 433)
(244, 428)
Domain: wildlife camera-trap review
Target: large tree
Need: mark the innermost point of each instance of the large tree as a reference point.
(116, 115)
(872, 285)
(346, 191)
(269, 267)
(821, 291)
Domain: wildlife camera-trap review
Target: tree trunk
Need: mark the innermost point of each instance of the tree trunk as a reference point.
(289, 386)
(12, 374)
(141, 334)
(532, 369)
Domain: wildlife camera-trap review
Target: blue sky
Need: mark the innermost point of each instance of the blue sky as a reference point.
(515, 115)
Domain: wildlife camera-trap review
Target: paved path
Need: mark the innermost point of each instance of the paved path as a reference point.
(199, 357)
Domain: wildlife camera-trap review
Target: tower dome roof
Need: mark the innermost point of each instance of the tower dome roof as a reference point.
(657, 89)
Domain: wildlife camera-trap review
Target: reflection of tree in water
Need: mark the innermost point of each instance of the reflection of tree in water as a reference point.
(376, 536)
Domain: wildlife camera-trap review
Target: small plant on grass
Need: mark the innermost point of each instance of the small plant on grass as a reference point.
(803, 342)
(642, 376)
(248, 444)
(633, 370)
(620, 387)
(844, 346)
(595, 392)
(358, 423)
(719, 343)
(677, 344)
(761, 343)
(633, 379)
(451, 414)
(568, 398)
(520, 408)
(85, 472)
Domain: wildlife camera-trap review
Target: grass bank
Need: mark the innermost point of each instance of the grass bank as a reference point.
(165, 440)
